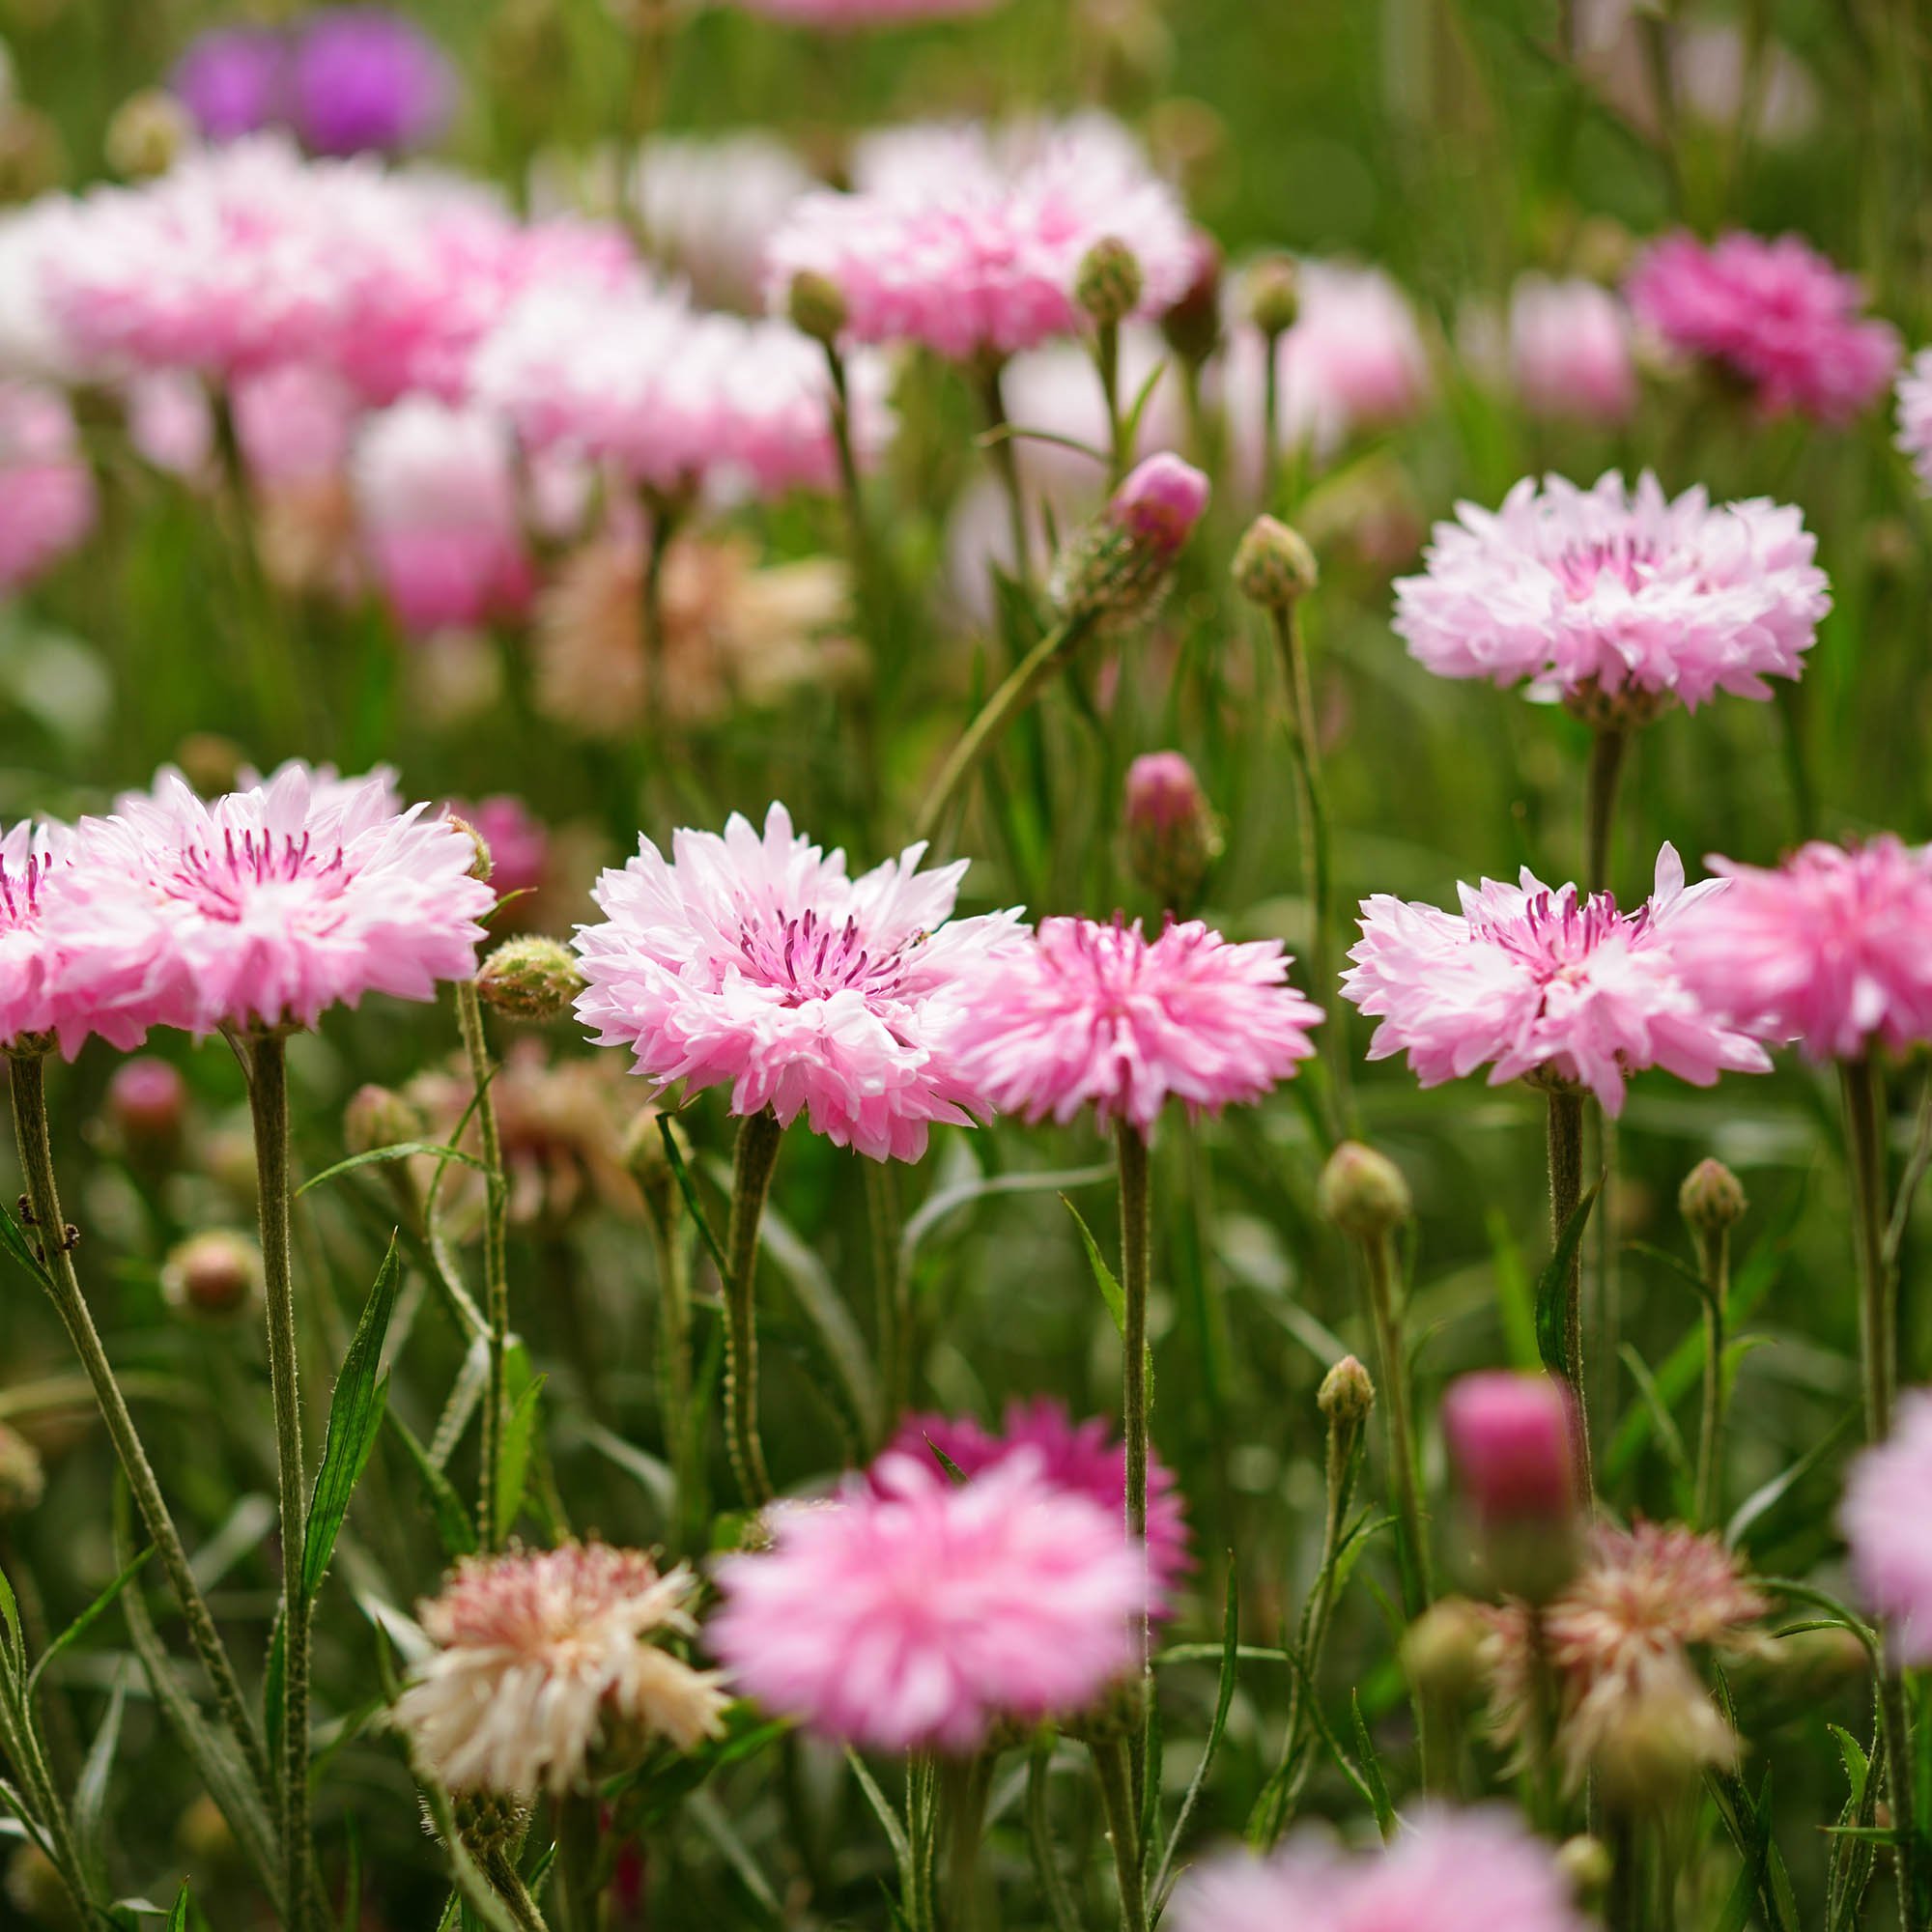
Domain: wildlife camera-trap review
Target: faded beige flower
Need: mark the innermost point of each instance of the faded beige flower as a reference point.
(545, 1657)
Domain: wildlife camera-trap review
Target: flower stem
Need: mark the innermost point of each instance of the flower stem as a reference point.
(758, 1153)
(268, 1109)
(1599, 805)
(1131, 1149)
(1417, 1588)
(1006, 465)
(490, 1510)
(579, 1844)
(964, 1787)
(1113, 1768)
(995, 719)
(1107, 360)
(1566, 1190)
(28, 1086)
(1715, 1252)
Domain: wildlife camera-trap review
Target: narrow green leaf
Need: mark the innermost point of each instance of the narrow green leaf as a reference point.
(888, 1819)
(355, 1419)
(17, 1642)
(90, 1795)
(13, 1238)
(177, 1917)
(687, 1187)
(1767, 1496)
(399, 1150)
(80, 1626)
(1371, 1770)
(1553, 1281)
(1109, 1286)
(454, 1527)
(513, 1459)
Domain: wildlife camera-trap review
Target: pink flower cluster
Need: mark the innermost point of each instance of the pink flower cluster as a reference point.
(1775, 314)
(971, 245)
(1080, 1458)
(46, 490)
(915, 1611)
(1884, 1521)
(1531, 982)
(1615, 590)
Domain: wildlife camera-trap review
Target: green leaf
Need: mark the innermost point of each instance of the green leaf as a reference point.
(1513, 1301)
(90, 1795)
(687, 1187)
(355, 1419)
(1371, 1770)
(454, 1526)
(1109, 1286)
(399, 1150)
(888, 1817)
(512, 1455)
(1767, 1496)
(1553, 1284)
(177, 1917)
(17, 1642)
(13, 1238)
(80, 1626)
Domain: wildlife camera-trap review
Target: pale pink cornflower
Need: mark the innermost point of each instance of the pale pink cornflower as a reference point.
(1570, 351)
(752, 960)
(1615, 597)
(970, 243)
(436, 498)
(544, 1655)
(913, 1611)
(35, 344)
(1831, 949)
(46, 489)
(170, 424)
(1915, 414)
(1083, 1458)
(273, 904)
(1541, 982)
(1774, 313)
(1099, 1015)
(710, 206)
(1884, 1521)
(294, 422)
(1448, 1871)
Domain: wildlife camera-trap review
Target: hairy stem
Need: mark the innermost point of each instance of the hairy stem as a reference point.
(1113, 1768)
(1715, 1252)
(758, 1153)
(1378, 1252)
(1566, 1190)
(490, 1510)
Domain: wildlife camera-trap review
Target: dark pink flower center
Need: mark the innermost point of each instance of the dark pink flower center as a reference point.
(222, 882)
(20, 892)
(1555, 934)
(1632, 560)
(807, 957)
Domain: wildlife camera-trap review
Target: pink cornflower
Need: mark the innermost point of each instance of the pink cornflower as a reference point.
(294, 422)
(1450, 1871)
(1608, 594)
(1099, 1015)
(673, 398)
(1082, 1458)
(1775, 314)
(541, 1656)
(436, 498)
(1884, 1521)
(1542, 982)
(970, 244)
(915, 1612)
(1570, 351)
(46, 490)
(754, 960)
(273, 904)
(1915, 416)
(1831, 949)
(1508, 1439)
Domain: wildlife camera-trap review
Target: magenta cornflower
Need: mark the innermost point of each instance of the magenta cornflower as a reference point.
(274, 903)
(234, 81)
(1450, 1871)
(1508, 1439)
(970, 244)
(1915, 416)
(1570, 353)
(1882, 1517)
(46, 489)
(1099, 1015)
(1831, 949)
(752, 960)
(1082, 1458)
(1773, 314)
(1627, 594)
(915, 1612)
(361, 79)
(1541, 982)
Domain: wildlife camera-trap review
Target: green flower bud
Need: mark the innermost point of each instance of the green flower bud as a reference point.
(1363, 1192)
(1274, 565)
(1108, 283)
(533, 979)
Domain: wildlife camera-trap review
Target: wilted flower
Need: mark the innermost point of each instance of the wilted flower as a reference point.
(542, 1658)
(913, 1611)
(46, 490)
(1882, 1517)
(1546, 983)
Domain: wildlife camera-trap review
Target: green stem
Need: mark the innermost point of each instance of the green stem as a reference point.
(1107, 358)
(1131, 1149)
(892, 1287)
(1623, 1904)
(1566, 1190)
(1895, 1721)
(1271, 418)
(995, 719)
(579, 1844)
(1607, 763)
(28, 1088)
(1007, 466)
(1417, 1588)
(965, 1784)
(490, 1523)
(758, 1153)
(268, 1109)
(1797, 761)
(1862, 1089)
(921, 1908)
(1715, 1251)
(1113, 1768)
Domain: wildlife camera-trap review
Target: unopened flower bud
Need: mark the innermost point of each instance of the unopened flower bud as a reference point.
(147, 134)
(147, 1104)
(1711, 1198)
(533, 978)
(1172, 836)
(378, 1116)
(1274, 565)
(1363, 1192)
(480, 866)
(214, 1276)
(816, 306)
(1442, 1653)
(1275, 295)
(1107, 284)
(1585, 1862)
(489, 1821)
(1192, 323)
(1511, 1441)
(1118, 570)
(23, 1480)
(1346, 1395)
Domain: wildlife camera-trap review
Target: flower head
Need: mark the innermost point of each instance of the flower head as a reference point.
(1569, 350)
(364, 79)
(542, 1657)
(1832, 948)
(233, 80)
(46, 490)
(273, 904)
(1617, 595)
(754, 960)
(1882, 1517)
(1915, 414)
(1081, 1458)
(1531, 981)
(1775, 314)
(1450, 1871)
(1102, 1016)
(913, 1611)
(970, 244)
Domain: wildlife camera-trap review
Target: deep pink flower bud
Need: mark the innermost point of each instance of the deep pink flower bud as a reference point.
(1172, 838)
(1159, 502)
(1116, 572)
(1509, 1439)
(147, 1101)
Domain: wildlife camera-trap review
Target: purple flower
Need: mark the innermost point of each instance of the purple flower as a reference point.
(233, 80)
(361, 79)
